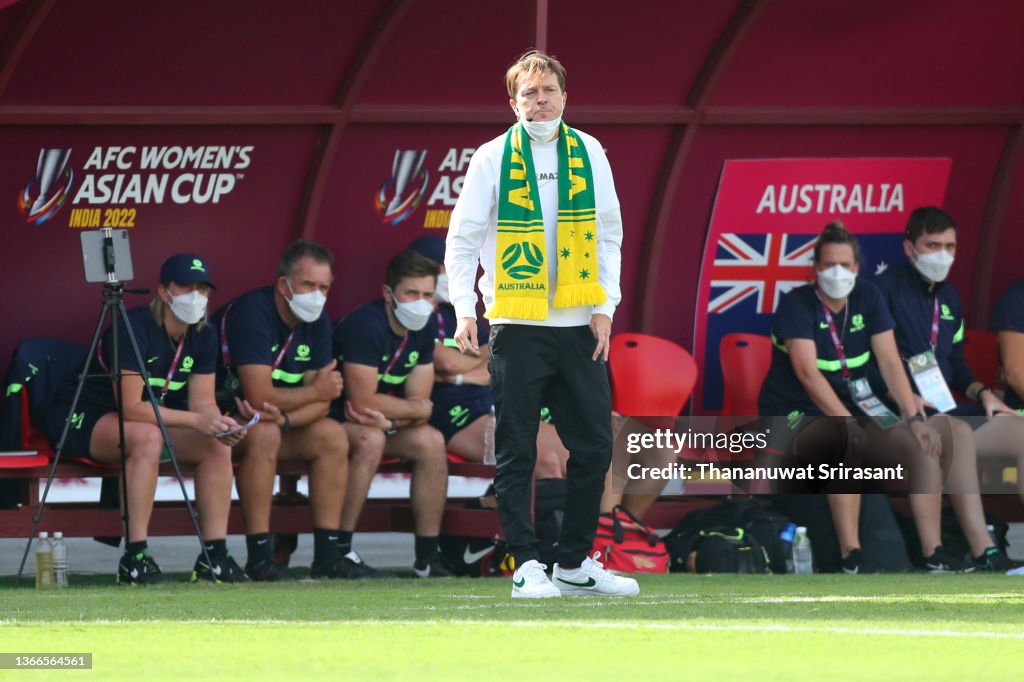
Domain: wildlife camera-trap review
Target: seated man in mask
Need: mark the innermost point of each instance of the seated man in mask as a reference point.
(385, 349)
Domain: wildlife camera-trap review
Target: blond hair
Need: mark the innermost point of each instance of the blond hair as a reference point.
(532, 65)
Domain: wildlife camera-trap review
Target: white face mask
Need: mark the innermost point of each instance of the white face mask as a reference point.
(441, 290)
(837, 282)
(413, 315)
(935, 265)
(189, 308)
(542, 131)
(308, 306)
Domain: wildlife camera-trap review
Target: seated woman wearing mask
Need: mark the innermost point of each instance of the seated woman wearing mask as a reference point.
(180, 353)
(826, 337)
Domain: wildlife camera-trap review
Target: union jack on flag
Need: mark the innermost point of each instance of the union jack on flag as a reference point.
(764, 266)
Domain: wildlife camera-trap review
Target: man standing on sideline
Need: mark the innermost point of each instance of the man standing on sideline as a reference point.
(538, 210)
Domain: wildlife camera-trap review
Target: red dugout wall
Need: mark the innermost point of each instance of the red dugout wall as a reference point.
(325, 93)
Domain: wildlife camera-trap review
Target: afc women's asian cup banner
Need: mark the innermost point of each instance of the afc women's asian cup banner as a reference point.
(766, 218)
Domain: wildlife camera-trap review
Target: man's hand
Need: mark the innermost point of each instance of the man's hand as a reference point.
(269, 414)
(465, 336)
(328, 381)
(367, 417)
(424, 408)
(212, 423)
(993, 405)
(601, 328)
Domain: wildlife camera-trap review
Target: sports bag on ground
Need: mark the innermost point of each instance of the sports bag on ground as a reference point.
(627, 545)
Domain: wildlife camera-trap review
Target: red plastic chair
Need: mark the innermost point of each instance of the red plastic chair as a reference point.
(745, 361)
(981, 349)
(650, 376)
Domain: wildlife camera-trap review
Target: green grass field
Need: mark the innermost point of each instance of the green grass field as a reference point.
(904, 627)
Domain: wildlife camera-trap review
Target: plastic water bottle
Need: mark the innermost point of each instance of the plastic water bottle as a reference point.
(803, 560)
(60, 561)
(787, 535)
(489, 457)
(44, 562)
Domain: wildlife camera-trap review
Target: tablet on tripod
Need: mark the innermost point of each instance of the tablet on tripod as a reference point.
(107, 256)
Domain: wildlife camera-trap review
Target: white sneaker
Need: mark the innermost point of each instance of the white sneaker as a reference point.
(591, 579)
(530, 582)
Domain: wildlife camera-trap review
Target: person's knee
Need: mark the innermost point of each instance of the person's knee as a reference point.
(963, 435)
(366, 445)
(427, 443)
(215, 451)
(261, 443)
(144, 443)
(329, 440)
(549, 464)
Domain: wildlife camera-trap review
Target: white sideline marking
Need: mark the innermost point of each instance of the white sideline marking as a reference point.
(597, 625)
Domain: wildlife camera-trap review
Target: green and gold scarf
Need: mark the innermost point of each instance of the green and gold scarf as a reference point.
(521, 281)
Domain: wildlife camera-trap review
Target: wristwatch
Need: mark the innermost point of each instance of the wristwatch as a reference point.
(287, 424)
(392, 430)
(914, 418)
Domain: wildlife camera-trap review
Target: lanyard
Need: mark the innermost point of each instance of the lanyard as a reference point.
(935, 323)
(394, 358)
(174, 366)
(170, 372)
(835, 336)
(284, 349)
(224, 353)
(440, 326)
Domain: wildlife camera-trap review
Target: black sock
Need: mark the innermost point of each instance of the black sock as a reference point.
(325, 544)
(344, 541)
(426, 548)
(217, 547)
(134, 548)
(258, 547)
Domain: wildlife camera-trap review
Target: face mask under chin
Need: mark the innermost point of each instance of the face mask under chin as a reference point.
(541, 131)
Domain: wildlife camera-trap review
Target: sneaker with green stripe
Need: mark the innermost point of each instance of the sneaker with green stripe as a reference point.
(531, 582)
(591, 579)
(995, 560)
(139, 569)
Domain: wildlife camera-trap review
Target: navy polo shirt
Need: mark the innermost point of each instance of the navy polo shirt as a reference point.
(1009, 317)
(198, 356)
(907, 294)
(445, 392)
(801, 315)
(256, 334)
(364, 337)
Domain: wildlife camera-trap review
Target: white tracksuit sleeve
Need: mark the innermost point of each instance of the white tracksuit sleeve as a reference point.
(609, 230)
(470, 221)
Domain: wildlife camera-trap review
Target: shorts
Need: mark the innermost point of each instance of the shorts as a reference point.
(80, 434)
(451, 415)
(783, 430)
